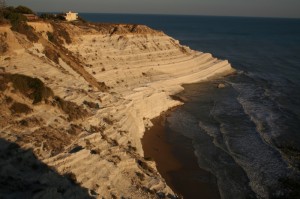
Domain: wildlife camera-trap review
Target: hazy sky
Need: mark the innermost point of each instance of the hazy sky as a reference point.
(264, 8)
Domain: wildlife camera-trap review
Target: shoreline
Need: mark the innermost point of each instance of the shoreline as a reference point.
(175, 161)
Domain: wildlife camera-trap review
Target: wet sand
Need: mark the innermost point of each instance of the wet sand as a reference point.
(174, 156)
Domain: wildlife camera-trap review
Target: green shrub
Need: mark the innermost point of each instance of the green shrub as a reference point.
(46, 16)
(49, 16)
(51, 37)
(18, 21)
(23, 10)
(15, 18)
(23, 28)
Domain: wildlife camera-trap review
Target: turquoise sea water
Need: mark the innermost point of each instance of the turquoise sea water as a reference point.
(247, 134)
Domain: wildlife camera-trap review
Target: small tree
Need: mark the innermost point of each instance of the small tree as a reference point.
(23, 10)
(2, 9)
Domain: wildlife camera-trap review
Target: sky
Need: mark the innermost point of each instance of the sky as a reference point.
(254, 8)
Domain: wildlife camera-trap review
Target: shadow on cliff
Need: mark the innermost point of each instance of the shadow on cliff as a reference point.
(22, 175)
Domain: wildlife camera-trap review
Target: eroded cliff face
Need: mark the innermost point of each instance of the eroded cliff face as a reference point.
(98, 86)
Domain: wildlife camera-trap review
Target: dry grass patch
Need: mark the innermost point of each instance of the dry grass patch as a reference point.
(71, 109)
(33, 88)
(17, 107)
(51, 54)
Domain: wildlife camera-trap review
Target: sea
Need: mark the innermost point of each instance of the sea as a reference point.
(247, 134)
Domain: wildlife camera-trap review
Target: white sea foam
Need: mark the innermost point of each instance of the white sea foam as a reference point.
(248, 123)
(212, 158)
(237, 140)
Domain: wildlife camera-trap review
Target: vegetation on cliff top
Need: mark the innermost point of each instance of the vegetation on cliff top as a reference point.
(15, 16)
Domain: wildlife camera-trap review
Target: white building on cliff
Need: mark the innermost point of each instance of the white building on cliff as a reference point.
(71, 16)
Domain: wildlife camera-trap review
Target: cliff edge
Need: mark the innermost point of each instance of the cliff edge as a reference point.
(79, 96)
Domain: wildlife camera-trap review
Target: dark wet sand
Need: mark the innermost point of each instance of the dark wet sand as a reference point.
(174, 156)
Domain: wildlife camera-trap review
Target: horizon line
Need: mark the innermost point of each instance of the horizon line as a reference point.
(196, 15)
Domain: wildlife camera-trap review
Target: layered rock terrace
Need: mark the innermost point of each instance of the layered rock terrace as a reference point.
(107, 82)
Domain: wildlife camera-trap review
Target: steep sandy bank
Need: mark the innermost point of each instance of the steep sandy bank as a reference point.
(121, 76)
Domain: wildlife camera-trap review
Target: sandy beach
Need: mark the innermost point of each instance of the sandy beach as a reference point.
(175, 160)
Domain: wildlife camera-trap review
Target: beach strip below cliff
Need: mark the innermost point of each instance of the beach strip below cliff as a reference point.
(176, 162)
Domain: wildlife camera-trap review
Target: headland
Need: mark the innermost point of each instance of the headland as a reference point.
(80, 95)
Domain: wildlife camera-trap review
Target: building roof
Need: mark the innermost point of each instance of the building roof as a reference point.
(31, 16)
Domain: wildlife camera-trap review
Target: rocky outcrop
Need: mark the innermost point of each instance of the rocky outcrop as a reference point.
(106, 83)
